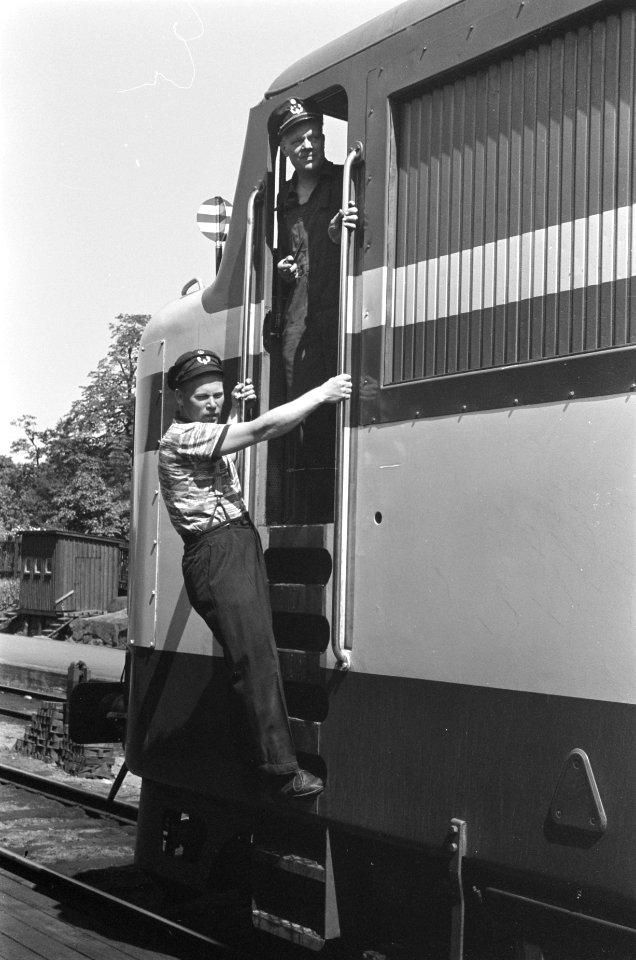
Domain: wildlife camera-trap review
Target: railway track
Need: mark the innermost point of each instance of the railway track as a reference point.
(79, 845)
(19, 703)
(75, 841)
(93, 804)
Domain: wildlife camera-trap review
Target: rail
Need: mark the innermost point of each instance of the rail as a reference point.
(177, 934)
(343, 439)
(69, 794)
(247, 334)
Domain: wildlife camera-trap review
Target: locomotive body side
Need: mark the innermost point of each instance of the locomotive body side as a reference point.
(492, 559)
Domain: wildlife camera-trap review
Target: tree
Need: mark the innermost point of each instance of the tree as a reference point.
(14, 505)
(77, 475)
(86, 504)
(33, 443)
(106, 410)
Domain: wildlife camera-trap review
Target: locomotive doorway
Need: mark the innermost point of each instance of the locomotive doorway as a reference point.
(301, 334)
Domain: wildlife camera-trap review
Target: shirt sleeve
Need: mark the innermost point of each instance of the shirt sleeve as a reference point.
(202, 441)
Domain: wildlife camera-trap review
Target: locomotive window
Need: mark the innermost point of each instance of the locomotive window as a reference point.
(294, 488)
(513, 209)
(48, 562)
(26, 567)
(37, 568)
(335, 131)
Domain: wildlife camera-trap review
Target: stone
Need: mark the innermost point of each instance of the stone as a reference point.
(117, 603)
(106, 629)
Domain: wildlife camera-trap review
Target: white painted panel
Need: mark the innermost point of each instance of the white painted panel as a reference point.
(506, 555)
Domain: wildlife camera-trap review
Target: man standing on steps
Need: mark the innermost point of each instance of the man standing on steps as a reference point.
(310, 225)
(223, 564)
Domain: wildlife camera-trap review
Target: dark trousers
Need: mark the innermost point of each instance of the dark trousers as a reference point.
(225, 578)
(310, 349)
(310, 356)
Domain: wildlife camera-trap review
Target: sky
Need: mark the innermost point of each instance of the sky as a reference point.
(118, 119)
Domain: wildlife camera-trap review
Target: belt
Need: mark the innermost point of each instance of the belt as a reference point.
(242, 521)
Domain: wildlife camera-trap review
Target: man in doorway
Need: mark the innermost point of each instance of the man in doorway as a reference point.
(310, 224)
(223, 564)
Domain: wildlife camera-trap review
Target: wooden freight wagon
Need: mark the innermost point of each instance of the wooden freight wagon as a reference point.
(64, 574)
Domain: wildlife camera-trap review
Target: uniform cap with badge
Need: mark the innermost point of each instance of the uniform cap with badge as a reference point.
(291, 112)
(194, 363)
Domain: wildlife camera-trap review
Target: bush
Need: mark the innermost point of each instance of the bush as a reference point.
(9, 592)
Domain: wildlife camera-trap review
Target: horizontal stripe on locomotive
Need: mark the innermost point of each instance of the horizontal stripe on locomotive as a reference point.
(554, 380)
(566, 256)
(560, 325)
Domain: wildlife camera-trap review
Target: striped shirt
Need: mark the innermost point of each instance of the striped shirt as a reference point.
(200, 488)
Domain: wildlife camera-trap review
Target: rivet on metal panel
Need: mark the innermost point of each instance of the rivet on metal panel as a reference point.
(516, 401)
(464, 408)
(370, 114)
(424, 49)
(632, 386)
(369, 179)
(571, 393)
(143, 349)
(162, 342)
(160, 393)
(153, 594)
(470, 30)
(417, 413)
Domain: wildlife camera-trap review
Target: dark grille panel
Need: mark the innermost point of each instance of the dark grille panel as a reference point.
(515, 209)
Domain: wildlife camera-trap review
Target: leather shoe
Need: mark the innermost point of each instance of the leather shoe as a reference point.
(298, 786)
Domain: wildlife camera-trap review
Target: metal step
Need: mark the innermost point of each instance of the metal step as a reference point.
(306, 735)
(299, 666)
(293, 875)
(300, 535)
(291, 863)
(287, 930)
(297, 598)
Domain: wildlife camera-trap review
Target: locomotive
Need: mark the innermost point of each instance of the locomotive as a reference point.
(457, 643)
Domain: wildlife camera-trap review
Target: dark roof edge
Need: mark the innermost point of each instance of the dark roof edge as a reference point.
(361, 38)
(71, 533)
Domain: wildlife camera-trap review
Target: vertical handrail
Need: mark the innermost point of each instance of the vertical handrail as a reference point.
(343, 440)
(245, 470)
